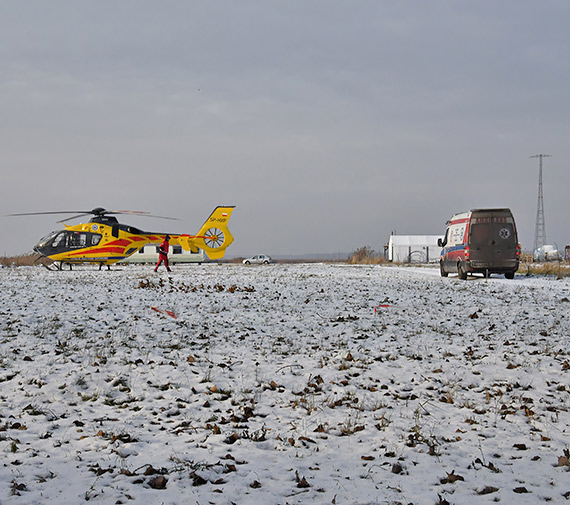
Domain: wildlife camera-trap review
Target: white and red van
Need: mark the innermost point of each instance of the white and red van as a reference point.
(480, 241)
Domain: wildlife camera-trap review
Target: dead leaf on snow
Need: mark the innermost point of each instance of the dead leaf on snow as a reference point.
(441, 501)
(198, 480)
(397, 468)
(520, 490)
(451, 478)
(150, 470)
(303, 483)
(487, 490)
(232, 439)
(447, 398)
(563, 461)
(158, 482)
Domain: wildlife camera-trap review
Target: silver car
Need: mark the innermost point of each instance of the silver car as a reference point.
(258, 259)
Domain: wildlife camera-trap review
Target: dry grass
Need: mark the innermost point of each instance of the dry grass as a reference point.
(559, 269)
(365, 256)
(23, 260)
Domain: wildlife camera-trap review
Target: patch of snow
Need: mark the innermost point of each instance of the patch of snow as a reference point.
(282, 384)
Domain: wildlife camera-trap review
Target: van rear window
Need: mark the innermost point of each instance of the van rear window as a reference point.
(489, 220)
(497, 232)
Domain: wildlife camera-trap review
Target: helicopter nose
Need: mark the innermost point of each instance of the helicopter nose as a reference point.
(40, 249)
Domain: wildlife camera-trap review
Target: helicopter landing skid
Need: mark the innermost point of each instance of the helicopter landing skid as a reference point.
(38, 260)
(49, 268)
(56, 267)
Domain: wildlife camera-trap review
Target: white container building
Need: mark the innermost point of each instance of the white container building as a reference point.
(149, 254)
(413, 249)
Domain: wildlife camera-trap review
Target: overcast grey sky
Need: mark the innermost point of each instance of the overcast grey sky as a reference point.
(327, 123)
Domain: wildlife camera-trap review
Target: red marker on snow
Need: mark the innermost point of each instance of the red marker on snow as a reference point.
(382, 305)
(169, 312)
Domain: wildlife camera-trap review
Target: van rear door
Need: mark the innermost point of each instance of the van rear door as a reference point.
(493, 240)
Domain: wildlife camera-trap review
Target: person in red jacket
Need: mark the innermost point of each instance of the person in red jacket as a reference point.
(163, 254)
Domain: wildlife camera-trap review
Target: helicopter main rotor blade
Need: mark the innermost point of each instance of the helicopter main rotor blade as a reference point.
(141, 213)
(52, 212)
(99, 211)
(74, 217)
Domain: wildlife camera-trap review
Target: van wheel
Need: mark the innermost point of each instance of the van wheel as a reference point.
(442, 270)
(461, 273)
(509, 275)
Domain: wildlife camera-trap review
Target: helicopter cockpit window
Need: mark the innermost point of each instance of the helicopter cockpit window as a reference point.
(71, 240)
(95, 238)
(59, 240)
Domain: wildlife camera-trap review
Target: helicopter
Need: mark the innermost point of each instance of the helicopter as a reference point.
(105, 241)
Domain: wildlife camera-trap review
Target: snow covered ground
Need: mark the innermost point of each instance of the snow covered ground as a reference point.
(282, 384)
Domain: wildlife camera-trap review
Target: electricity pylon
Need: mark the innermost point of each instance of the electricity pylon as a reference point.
(540, 230)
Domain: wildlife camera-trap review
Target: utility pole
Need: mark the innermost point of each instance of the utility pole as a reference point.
(540, 231)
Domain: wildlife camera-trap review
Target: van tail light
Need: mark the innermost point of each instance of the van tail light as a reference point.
(467, 253)
(518, 253)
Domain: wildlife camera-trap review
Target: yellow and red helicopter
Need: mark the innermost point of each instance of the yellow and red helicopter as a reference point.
(105, 241)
